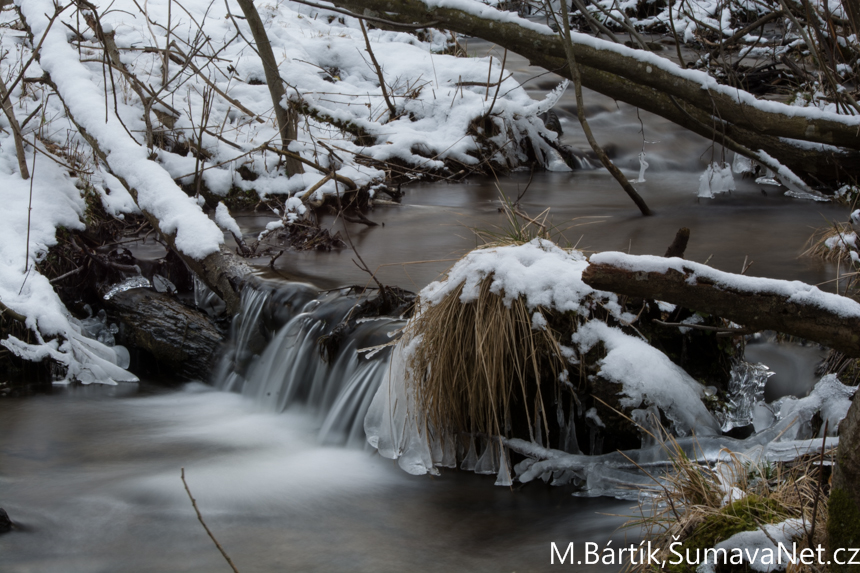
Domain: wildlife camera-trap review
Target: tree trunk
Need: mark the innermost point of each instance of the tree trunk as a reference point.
(843, 507)
(16, 131)
(287, 120)
(665, 92)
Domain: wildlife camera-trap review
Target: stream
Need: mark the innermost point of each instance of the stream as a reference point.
(274, 454)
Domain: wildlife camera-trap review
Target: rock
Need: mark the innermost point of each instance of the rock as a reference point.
(182, 340)
(5, 522)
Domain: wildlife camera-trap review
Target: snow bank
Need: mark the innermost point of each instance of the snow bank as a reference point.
(157, 193)
(323, 59)
(56, 202)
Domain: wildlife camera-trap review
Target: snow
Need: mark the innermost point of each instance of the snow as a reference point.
(541, 272)
(647, 376)
(226, 221)
(56, 203)
(758, 547)
(794, 291)
(157, 193)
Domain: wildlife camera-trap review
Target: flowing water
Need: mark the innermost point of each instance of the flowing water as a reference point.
(274, 449)
(94, 477)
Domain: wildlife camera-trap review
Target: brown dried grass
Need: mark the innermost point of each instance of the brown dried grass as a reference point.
(816, 245)
(687, 505)
(481, 364)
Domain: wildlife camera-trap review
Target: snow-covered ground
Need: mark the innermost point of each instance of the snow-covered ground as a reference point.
(220, 103)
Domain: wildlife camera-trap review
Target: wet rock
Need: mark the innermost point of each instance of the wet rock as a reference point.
(5, 522)
(182, 340)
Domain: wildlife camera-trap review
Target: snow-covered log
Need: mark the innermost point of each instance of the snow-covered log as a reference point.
(824, 145)
(791, 307)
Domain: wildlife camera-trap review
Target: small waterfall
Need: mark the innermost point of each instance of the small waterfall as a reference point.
(290, 348)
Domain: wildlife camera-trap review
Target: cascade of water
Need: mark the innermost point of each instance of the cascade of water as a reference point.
(294, 347)
(276, 357)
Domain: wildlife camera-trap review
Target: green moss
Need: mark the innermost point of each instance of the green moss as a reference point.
(743, 515)
(843, 525)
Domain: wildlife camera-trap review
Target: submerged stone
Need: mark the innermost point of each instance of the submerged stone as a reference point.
(5, 522)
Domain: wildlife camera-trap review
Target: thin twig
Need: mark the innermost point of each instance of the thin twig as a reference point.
(737, 331)
(378, 68)
(567, 42)
(66, 275)
(203, 523)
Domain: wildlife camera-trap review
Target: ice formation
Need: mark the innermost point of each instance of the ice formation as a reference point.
(717, 178)
(746, 387)
(643, 165)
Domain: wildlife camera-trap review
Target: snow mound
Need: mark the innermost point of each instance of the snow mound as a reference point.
(760, 548)
(648, 376)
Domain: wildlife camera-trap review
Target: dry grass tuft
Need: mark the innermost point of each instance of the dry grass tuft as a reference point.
(482, 366)
(688, 503)
(829, 243)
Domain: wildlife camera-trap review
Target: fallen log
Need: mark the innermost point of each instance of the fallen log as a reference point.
(790, 307)
(182, 340)
(651, 83)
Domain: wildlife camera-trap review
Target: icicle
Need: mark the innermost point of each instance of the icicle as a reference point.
(643, 165)
(488, 463)
(504, 476)
(471, 459)
(449, 452)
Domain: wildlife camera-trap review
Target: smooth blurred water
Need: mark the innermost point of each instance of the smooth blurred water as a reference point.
(94, 477)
